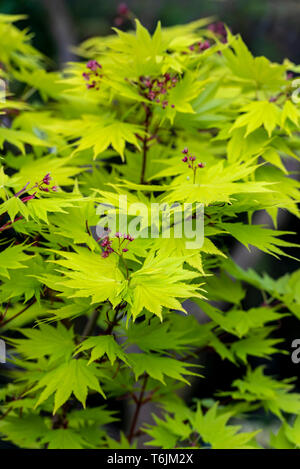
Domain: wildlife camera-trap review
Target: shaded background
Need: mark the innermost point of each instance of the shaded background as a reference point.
(269, 27)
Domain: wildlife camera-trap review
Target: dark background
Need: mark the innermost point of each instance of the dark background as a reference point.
(269, 27)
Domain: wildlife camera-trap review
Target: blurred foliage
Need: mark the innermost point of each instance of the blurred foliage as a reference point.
(269, 27)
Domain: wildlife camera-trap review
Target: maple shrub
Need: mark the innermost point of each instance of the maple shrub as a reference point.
(91, 323)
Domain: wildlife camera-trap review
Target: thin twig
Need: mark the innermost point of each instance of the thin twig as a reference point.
(145, 144)
(2, 317)
(10, 223)
(139, 404)
(6, 413)
(115, 320)
(2, 324)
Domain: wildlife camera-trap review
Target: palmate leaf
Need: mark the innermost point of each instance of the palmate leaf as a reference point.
(101, 345)
(211, 428)
(100, 415)
(33, 170)
(224, 288)
(24, 431)
(142, 43)
(19, 139)
(97, 134)
(12, 258)
(167, 432)
(262, 282)
(17, 50)
(159, 367)
(73, 376)
(138, 54)
(25, 281)
(72, 309)
(291, 112)
(219, 184)
(286, 195)
(122, 444)
(90, 275)
(217, 172)
(64, 439)
(280, 441)
(48, 83)
(221, 349)
(208, 109)
(214, 430)
(273, 394)
(241, 147)
(273, 157)
(179, 247)
(285, 289)
(37, 208)
(263, 238)
(73, 225)
(258, 70)
(55, 342)
(13, 206)
(256, 344)
(176, 333)
(5, 183)
(257, 114)
(183, 94)
(209, 193)
(159, 283)
(239, 322)
(292, 432)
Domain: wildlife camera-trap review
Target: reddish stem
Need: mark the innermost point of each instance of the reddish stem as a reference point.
(140, 402)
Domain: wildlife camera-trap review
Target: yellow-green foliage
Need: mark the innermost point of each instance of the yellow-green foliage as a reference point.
(100, 133)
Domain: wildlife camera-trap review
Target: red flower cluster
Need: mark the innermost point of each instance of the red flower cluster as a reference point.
(107, 249)
(93, 76)
(123, 9)
(46, 181)
(200, 46)
(125, 236)
(156, 89)
(220, 30)
(123, 14)
(107, 244)
(192, 165)
(39, 185)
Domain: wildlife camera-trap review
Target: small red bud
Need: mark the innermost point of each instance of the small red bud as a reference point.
(123, 9)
